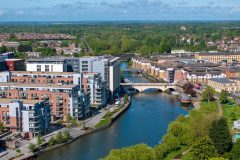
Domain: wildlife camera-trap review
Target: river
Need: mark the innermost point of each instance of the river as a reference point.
(146, 121)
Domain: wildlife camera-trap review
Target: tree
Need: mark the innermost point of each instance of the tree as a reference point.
(32, 147)
(235, 153)
(59, 137)
(66, 135)
(223, 96)
(208, 94)
(125, 98)
(18, 150)
(219, 134)
(137, 152)
(51, 141)
(39, 140)
(217, 158)
(203, 149)
(3, 49)
(24, 48)
(1, 127)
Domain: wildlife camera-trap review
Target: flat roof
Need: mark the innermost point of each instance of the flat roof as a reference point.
(221, 80)
(45, 73)
(25, 101)
(46, 60)
(14, 60)
(37, 85)
(219, 53)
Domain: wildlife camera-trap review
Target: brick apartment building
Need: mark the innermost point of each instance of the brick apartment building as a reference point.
(29, 117)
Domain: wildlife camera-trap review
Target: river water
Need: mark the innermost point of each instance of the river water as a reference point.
(146, 121)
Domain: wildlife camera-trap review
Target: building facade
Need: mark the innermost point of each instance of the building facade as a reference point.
(218, 57)
(93, 83)
(47, 65)
(63, 99)
(229, 85)
(29, 117)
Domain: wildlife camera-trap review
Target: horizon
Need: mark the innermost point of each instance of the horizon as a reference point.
(119, 10)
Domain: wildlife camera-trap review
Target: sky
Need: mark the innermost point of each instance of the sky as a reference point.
(115, 10)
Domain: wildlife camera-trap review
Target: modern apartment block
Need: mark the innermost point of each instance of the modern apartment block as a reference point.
(63, 99)
(107, 66)
(47, 65)
(93, 83)
(29, 117)
(114, 76)
(64, 78)
(218, 57)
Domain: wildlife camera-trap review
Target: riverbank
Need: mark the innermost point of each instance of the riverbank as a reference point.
(75, 134)
(91, 131)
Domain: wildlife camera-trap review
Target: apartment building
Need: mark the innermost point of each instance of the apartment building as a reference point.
(65, 78)
(114, 76)
(47, 65)
(202, 75)
(229, 85)
(63, 99)
(29, 117)
(15, 64)
(107, 66)
(93, 83)
(218, 57)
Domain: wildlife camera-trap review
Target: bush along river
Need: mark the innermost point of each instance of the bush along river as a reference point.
(146, 121)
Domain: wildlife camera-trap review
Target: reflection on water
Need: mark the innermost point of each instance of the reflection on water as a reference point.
(146, 121)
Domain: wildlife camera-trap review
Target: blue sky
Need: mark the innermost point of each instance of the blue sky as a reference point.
(91, 10)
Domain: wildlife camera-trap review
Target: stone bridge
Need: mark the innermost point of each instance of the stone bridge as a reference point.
(144, 86)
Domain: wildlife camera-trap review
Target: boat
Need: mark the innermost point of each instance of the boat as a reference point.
(175, 93)
(184, 98)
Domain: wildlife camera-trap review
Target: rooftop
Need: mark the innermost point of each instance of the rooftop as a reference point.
(37, 85)
(44, 73)
(25, 101)
(221, 80)
(219, 53)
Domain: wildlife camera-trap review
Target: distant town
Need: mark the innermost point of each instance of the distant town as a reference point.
(55, 88)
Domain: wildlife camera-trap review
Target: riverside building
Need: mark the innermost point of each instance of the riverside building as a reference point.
(28, 117)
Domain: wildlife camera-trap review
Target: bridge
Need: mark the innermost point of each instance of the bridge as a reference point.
(134, 70)
(144, 86)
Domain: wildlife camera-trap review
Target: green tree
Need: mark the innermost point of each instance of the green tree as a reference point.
(219, 134)
(137, 152)
(235, 153)
(125, 98)
(40, 140)
(208, 94)
(51, 141)
(66, 135)
(3, 49)
(203, 149)
(24, 48)
(217, 158)
(18, 150)
(32, 147)
(59, 137)
(1, 127)
(223, 96)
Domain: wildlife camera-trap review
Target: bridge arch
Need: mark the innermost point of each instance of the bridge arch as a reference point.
(144, 86)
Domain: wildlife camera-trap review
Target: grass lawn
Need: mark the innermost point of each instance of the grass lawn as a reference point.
(208, 107)
(103, 122)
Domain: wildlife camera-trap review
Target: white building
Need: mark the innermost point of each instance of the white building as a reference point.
(114, 75)
(47, 65)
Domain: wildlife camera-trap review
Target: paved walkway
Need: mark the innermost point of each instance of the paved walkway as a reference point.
(74, 132)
